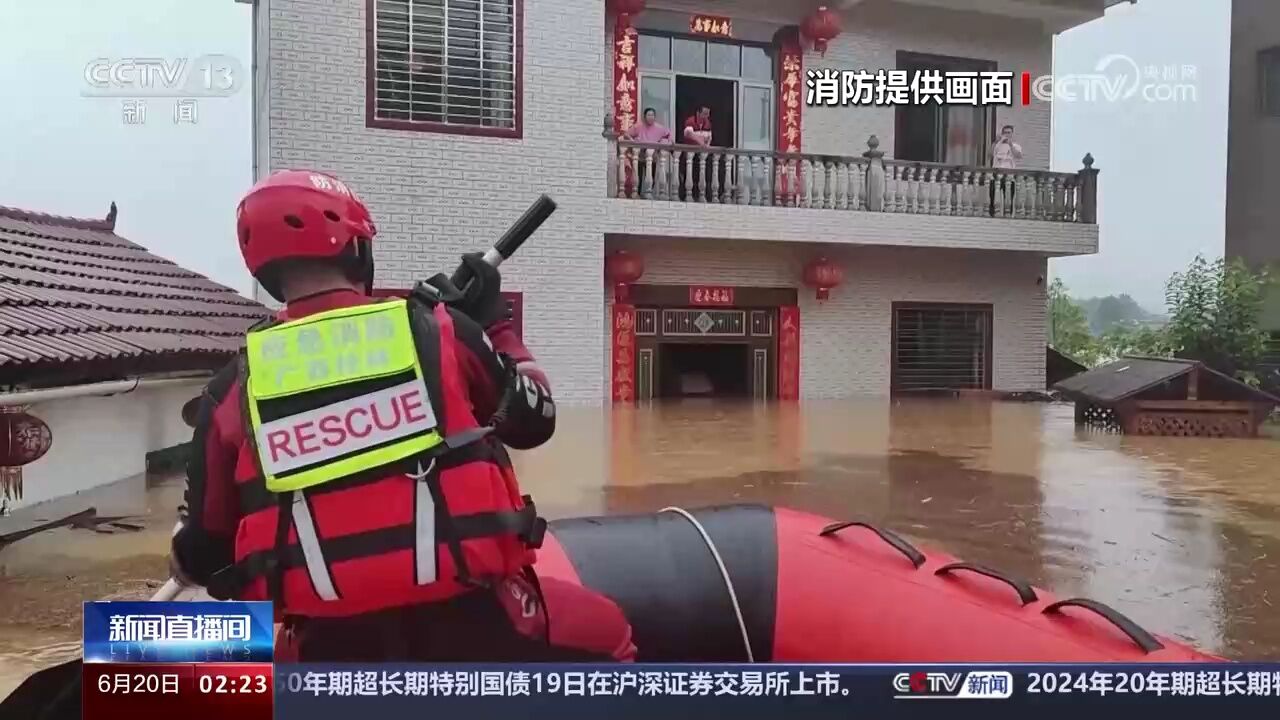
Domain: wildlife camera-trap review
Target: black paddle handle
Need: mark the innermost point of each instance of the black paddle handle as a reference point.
(512, 239)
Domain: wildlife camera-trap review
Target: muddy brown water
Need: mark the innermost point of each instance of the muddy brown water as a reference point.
(1183, 535)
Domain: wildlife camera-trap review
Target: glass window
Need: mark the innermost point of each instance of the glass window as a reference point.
(757, 117)
(447, 61)
(655, 92)
(1269, 72)
(689, 55)
(756, 64)
(724, 59)
(655, 52)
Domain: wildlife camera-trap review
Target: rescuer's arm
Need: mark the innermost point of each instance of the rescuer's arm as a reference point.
(205, 542)
(506, 386)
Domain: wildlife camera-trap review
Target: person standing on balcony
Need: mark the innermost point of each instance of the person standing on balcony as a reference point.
(351, 464)
(650, 131)
(1005, 154)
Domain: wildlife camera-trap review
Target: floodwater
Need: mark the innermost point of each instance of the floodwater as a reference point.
(1182, 535)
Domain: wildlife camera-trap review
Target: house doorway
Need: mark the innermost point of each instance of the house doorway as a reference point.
(951, 134)
(688, 369)
(693, 92)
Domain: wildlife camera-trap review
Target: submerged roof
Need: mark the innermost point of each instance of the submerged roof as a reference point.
(78, 302)
(1131, 375)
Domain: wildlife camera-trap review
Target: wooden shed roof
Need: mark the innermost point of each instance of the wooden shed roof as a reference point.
(1129, 376)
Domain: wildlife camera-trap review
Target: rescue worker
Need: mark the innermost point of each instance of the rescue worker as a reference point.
(349, 465)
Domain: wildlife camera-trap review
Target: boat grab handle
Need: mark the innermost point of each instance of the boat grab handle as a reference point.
(1026, 593)
(1144, 639)
(915, 556)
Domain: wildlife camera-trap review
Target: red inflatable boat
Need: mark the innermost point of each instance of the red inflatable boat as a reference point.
(746, 582)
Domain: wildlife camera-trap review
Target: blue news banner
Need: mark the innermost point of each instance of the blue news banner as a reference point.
(213, 660)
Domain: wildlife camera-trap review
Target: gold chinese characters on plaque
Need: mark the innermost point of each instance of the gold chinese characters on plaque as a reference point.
(711, 25)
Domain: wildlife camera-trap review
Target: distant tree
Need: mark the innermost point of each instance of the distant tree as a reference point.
(1133, 338)
(1069, 328)
(1216, 309)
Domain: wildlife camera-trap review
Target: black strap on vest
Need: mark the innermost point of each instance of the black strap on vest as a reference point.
(524, 523)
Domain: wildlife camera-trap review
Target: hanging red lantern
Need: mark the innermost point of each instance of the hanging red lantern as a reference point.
(822, 274)
(622, 268)
(624, 9)
(822, 27)
(23, 439)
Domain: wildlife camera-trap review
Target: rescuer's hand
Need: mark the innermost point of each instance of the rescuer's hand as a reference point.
(482, 300)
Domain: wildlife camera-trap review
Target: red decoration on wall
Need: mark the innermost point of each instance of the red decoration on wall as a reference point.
(624, 9)
(789, 353)
(711, 25)
(23, 439)
(623, 333)
(626, 89)
(791, 59)
(710, 295)
(822, 27)
(622, 269)
(822, 274)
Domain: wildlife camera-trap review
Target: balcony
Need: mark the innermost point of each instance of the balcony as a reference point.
(871, 183)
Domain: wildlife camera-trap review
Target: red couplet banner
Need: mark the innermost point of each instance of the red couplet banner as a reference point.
(179, 691)
(789, 353)
(624, 353)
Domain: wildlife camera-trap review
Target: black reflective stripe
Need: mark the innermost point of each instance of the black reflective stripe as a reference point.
(254, 496)
(379, 542)
(283, 407)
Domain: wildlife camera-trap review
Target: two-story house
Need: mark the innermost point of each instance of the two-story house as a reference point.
(810, 251)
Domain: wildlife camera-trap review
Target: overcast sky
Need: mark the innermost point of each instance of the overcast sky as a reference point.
(1162, 164)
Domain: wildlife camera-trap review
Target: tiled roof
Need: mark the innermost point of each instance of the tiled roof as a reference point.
(77, 299)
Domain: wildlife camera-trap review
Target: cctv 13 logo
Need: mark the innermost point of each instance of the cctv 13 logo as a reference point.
(937, 685)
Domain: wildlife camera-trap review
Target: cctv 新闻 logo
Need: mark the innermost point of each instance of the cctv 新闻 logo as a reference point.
(1116, 78)
(214, 75)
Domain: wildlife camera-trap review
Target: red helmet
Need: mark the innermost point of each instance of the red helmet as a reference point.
(302, 214)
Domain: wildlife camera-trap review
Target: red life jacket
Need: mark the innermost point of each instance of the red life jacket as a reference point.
(364, 538)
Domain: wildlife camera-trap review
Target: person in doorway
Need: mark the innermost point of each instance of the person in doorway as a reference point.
(648, 130)
(697, 129)
(350, 464)
(1005, 154)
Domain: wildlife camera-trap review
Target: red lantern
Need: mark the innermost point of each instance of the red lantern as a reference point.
(622, 268)
(822, 27)
(25, 439)
(624, 9)
(822, 274)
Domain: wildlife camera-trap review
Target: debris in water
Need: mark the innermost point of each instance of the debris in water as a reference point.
(1165, 538)
(1108, 542)
(928, 499)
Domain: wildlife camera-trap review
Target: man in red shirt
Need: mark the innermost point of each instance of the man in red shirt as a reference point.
(350, 464)
(697, 129)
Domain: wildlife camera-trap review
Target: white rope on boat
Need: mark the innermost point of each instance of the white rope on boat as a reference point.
(724, 573)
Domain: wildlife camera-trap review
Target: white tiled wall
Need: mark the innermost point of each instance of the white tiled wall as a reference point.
(845, 341)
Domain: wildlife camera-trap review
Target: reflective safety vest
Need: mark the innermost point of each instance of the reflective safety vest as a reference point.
(373, 486)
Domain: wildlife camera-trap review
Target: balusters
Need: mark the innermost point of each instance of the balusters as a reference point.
(713, 181)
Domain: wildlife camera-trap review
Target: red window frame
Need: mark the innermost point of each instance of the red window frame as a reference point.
(515, 301)
(370, 89)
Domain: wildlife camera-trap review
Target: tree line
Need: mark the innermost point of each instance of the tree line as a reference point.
(1215, 316)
